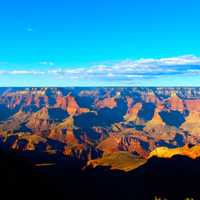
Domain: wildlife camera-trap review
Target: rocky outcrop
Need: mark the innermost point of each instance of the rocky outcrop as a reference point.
(107, 102)
(118, 161)
(164, 152)
(156, 124)
(192, 124)
(39, 122)
(175, 102)
(133, 112)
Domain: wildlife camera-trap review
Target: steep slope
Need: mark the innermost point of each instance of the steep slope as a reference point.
(118, 161)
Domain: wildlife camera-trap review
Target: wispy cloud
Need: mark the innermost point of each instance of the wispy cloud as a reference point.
(21, 72)
(48, 63)
(121, 72)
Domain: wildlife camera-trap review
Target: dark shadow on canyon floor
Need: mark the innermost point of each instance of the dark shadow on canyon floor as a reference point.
(61, 178)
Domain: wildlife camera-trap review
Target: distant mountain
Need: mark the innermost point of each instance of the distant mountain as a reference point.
(100, 126)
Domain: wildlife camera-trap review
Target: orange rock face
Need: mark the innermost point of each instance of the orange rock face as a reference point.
(110, 145)
(151, 97)
(67, 103)
(175, 102)
(156, 123)
(164, 152)
(135, 146)
(61, 102)
(191, 123)
(72, 106)
(133, 112)
(107, 102)
(125, 140)
(63, 132)
(39, 121)
(193, 105)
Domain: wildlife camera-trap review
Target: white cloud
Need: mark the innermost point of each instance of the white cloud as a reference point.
(48, 63)
(21, 72)
(124, 71)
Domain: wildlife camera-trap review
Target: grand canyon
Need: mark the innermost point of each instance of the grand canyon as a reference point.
(119, 130)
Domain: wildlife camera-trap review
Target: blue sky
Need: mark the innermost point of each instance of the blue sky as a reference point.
(99, 42)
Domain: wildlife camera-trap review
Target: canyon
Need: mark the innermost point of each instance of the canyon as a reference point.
(119, 127)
